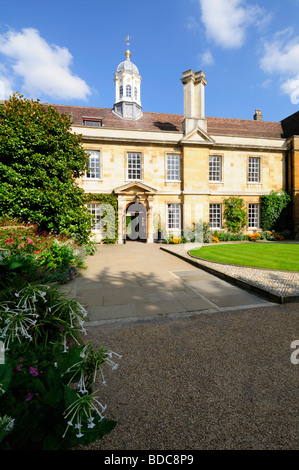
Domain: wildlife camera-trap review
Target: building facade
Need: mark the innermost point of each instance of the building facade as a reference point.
(180, 168)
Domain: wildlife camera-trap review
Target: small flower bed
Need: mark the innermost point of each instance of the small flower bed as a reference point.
(202, 233)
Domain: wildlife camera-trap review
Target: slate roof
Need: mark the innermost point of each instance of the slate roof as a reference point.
(173, 123)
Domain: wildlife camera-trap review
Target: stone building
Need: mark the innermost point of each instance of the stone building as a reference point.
(180, 168)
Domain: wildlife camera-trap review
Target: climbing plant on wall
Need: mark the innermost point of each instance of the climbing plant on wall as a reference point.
(110, 217)
(234, 214)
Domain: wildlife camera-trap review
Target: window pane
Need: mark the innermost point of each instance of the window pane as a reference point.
(134, 166)
(90, 122)
(173, 167)
(94, 165)
(94, 209)
(215, 215)
(254, 170)
(215, 173)
(128, 90)
(174, 216)
(253, 216)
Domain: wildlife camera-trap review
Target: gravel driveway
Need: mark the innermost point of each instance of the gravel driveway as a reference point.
(213, 381)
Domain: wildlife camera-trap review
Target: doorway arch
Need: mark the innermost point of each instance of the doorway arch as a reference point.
(136, 222)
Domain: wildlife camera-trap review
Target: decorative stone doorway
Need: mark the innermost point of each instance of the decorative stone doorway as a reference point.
(135, 207)
(136, 222)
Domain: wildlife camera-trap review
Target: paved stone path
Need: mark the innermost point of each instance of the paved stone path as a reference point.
(140, 281)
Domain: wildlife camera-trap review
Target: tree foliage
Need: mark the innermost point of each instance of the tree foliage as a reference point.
(39, 161)
(234, 214)
(273, 206)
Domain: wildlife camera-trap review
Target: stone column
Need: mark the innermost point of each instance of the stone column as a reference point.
(150, 220)
(121, 216)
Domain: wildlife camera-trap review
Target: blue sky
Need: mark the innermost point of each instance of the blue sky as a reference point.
(67, 52)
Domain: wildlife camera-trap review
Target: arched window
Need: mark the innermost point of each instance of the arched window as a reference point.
(136, 93)
(128, 91)
(120, 91)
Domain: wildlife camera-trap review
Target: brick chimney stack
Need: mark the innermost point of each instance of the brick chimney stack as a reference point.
(258, 115)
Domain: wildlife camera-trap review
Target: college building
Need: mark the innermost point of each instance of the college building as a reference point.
(180, 168)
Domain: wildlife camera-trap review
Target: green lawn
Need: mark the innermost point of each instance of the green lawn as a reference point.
(260, 255)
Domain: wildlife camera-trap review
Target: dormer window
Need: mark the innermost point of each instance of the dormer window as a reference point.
(92, 121)
(128, 91)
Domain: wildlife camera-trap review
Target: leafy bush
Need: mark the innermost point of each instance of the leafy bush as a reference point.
(273, 206)
(39, 161)
(61, 260)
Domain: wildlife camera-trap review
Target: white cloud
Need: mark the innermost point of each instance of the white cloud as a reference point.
(192, 24)
(6, 83)
(44, 68)
(226, 21)
(206, 58)
(281, 58)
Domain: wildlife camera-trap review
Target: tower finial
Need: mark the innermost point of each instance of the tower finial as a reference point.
(128, 53)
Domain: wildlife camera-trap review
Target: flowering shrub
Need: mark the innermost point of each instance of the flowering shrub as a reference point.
(62, 260)
(278, 236)
(46, 396)
(215, 239)
(46, 383)
(175, 240)
(253, 237)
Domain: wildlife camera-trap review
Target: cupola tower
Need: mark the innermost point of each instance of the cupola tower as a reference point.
(127, 90)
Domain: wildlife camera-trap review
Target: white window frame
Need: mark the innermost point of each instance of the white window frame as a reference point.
(215, 169)
(174, 216)
(254, 170)
(134, 166)
(94, 165)
(215, 216)
(253, 215)
(128, 91)
(121, 92)
(94, 209)
(173, 170)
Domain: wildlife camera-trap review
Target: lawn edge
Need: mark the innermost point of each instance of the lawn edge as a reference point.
(241, 265)
(270, 296)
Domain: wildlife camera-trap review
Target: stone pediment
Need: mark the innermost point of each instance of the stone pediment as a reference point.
(135, 187)
(198, 136)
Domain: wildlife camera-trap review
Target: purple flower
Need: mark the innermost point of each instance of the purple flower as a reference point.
(33, 371)
(28, 397)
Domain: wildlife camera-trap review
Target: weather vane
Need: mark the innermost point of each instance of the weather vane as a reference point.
(128, 39)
